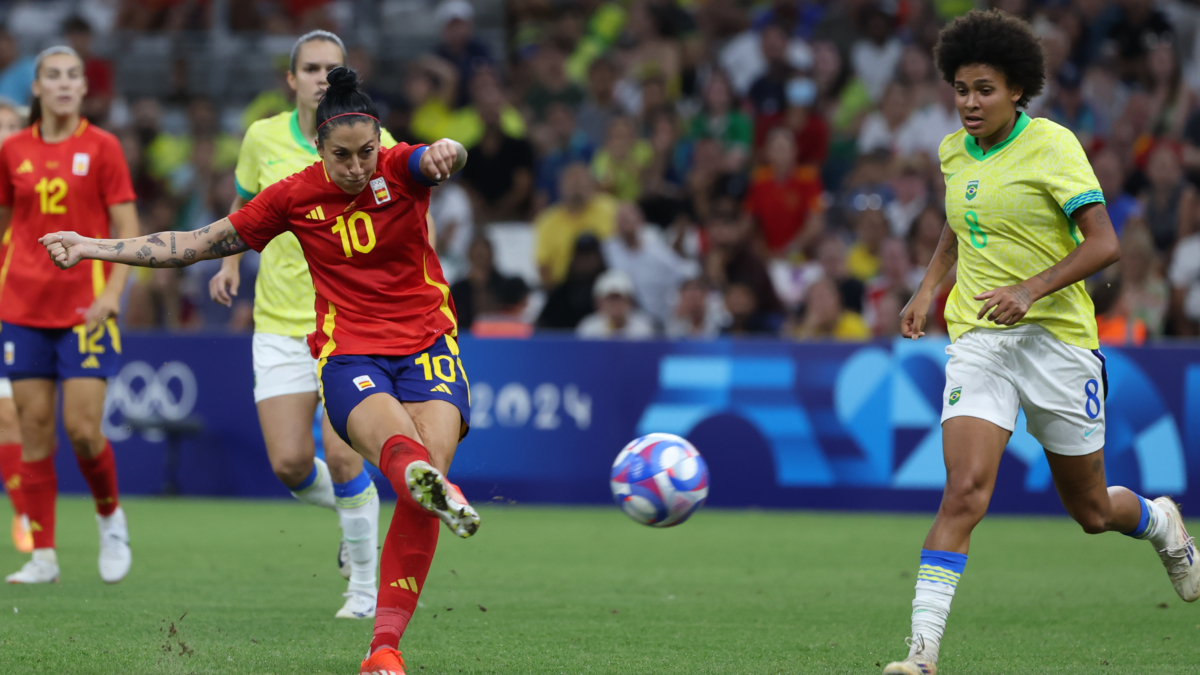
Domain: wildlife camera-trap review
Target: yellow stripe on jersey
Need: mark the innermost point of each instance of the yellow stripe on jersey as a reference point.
(445, 290)
(1010, 209)
(273, 149)
(98, 280)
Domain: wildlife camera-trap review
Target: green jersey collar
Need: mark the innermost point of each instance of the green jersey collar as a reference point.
(972, 143)
(307, 144)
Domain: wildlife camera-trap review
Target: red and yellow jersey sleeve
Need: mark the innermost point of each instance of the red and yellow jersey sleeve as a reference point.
(264, 217)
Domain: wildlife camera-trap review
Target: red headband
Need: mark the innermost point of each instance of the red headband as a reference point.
(343, 115)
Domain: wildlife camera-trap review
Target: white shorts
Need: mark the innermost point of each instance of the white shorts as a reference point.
(282, 365)
(5, 387)
(993, 374)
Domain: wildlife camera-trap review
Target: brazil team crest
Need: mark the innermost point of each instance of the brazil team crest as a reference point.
(955, 395)
(972, 189)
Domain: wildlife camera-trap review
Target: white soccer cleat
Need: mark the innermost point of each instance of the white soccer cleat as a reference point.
(115, 556)
(1179, 555)
(434, 494)
(359, 605)
(344, 559)
(42, 569)
(917, 663)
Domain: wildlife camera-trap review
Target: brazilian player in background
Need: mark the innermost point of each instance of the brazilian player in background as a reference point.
(1026, 224)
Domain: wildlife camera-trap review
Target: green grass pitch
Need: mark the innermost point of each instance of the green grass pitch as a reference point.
(251, 587)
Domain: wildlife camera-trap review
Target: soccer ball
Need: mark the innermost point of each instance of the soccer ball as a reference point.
(659, 480)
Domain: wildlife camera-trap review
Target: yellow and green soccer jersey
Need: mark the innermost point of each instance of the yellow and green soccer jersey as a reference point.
(273, 149)
(1011, 210)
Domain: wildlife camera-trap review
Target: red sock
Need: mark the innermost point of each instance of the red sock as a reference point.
(100, 472)
(39, 487)
(10, 474)
(407, 550)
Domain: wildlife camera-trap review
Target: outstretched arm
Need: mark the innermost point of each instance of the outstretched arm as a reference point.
(163, 249)
(443, 158)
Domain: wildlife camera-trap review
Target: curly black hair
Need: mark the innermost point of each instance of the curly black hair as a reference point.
(998, 39)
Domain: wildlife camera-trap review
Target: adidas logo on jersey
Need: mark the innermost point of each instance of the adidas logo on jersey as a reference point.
(316, 214)
(91, 362)
(410, 586)
(25, 167)
(442, 388)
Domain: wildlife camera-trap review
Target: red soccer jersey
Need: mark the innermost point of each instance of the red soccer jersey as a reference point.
(380, 289)
(51, 187)
(782, 207)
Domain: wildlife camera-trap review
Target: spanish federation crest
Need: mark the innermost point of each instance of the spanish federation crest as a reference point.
(972, 189)
(955, 395)
(380, 189)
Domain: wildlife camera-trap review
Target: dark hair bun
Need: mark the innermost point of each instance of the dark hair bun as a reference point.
(342, 80)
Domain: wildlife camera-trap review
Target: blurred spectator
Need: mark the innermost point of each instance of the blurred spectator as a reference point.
(500, 171)
(479, 291)
(98, 71)
(732, 259)
(581, 210)
(1169, 200)
(1169, 98)
(1121, 205)
(654, 268)
(911, 197)
(432, 88)
(1144, 290)
(561, 143)
(616, 316)
(459, 45)
(800, 115)
(720, 120)
(572, 300)
(862, 260)
(663, 191)
(831, 257)
(1137, 27)
(621, 164)
(1070, 109)
(645, 50)
(16, 71)
(877, 53)
(785, 199)
(168, 15)
(1114, 323)
(888, 128)
(512, 297)
(550, 82)
(694, 316)
(11, 119)
(454, 222)
(768, 93)
(887, 314)
(824, 318)
(170, 152)
(896, 276)
(924, 236)
(600, 106)
(745, 316)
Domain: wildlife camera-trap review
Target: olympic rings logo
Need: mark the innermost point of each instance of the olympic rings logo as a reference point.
(141, 392)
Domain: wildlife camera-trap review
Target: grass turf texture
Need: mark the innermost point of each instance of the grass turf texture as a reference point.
(251, 587)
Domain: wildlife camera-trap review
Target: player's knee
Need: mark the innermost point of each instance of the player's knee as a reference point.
(291, 470)
(85, 437)
(967, 498)
(1093, 521)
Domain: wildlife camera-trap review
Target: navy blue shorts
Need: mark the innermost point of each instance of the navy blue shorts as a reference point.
(61, 353)
(435, 374)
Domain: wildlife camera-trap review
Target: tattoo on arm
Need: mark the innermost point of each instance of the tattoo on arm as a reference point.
(172, 243)
(1023, 295)
(229, 243)
(950, 254)
(156, 240)
(115, 248)
(203, 230)
(1047, 277)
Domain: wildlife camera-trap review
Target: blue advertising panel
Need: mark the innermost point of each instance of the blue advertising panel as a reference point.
(780, 424)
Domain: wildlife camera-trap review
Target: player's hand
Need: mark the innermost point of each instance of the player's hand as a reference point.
(438, 161)
(223, 287)
(66, 249)
(105, 306)
(914, 315)
(1008, 305)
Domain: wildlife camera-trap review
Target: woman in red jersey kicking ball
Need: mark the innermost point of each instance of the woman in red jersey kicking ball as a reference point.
(59, 331)
(394, 385)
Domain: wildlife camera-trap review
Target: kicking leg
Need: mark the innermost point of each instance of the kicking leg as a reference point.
(35, 399)
(972, 448)
(1097, 508)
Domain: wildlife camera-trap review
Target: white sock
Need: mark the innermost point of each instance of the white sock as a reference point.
(320, 491)
(360, 529)
(47, 555)
(1160, 526)
(931, 607)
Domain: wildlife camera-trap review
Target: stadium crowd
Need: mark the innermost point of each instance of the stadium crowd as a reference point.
(690, 169)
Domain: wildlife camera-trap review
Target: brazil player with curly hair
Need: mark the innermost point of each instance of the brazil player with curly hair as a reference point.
(1026, 224)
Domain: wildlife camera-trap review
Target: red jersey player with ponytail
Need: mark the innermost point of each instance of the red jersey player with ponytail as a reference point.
(58, 330)
(393, 379)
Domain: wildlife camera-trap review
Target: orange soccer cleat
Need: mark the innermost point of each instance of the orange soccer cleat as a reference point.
(22, 535)
(385, 661)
